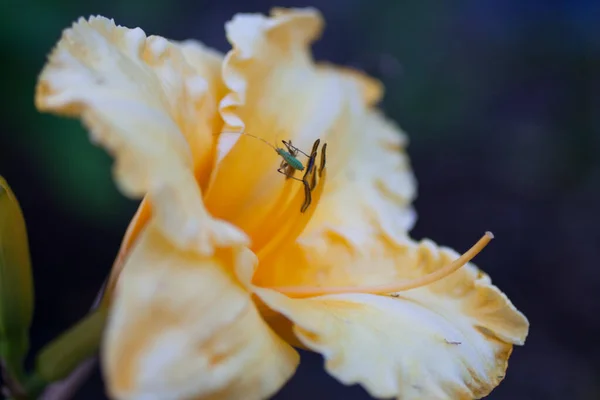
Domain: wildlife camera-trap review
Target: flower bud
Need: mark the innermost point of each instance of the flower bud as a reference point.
(16, 284)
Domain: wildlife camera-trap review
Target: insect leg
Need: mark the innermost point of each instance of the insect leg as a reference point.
(288, 170)
(293, 149)
(307, 189)
(282, 171)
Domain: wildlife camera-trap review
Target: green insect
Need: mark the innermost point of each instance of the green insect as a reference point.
(290, 164)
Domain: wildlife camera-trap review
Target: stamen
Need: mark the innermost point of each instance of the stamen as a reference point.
(294, 221)
(284, 219)
(276, 215)
(323, 160)
(306, 291)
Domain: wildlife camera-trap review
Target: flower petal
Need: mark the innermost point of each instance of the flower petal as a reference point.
(148, 107)
(184, 326)
(372, 89)
(206, 63)
(276, 93)
(451, 339)
(333, 261)
(372, 192)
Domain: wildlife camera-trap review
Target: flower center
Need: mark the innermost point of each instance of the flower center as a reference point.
(289, 217)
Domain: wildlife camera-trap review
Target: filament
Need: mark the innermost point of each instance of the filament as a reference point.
(307, 291)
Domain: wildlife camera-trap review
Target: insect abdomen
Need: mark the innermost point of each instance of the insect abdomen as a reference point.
(291, 160)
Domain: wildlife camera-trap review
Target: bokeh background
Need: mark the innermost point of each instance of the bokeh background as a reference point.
(500, 99)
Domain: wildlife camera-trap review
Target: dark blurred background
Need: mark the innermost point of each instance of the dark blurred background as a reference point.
(499, 98)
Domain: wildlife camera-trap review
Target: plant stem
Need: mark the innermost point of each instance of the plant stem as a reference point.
(66, 388)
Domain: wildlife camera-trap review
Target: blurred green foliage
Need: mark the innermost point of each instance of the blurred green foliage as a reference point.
(73, 173)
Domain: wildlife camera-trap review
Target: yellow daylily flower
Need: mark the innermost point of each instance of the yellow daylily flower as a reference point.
(220, 274)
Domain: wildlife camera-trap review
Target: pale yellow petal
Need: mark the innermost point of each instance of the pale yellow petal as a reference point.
(142, 102)
(372, 89)
(331, 258)
(448, 340)
(206, 62)
(335, 261)
(276, 93)
(372, 192)
(184, 327)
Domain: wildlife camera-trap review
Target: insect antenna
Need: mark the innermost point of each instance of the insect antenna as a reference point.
(252, 136)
